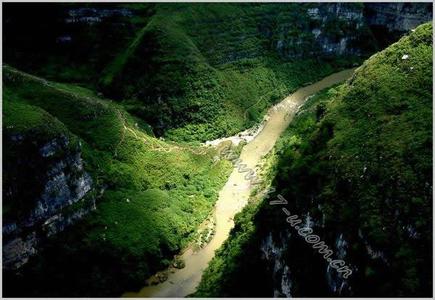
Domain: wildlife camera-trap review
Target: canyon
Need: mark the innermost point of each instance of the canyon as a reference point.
(114, 116)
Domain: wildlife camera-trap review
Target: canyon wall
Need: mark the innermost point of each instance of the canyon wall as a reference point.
(45, 190)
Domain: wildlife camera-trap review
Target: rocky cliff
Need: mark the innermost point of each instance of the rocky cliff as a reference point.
(45, 185)
(400, 16)
(331, 29)
(388, 21)
(305, 29)
(344, 28)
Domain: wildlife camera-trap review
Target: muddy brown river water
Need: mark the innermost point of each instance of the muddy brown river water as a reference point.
(234, 195)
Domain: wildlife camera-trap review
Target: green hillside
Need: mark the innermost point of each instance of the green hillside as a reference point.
(127, 93)
(155, 193)
(193, 72)
(358, 159)
(206, 71)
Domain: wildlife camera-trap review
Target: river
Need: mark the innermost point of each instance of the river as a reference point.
(234, 195)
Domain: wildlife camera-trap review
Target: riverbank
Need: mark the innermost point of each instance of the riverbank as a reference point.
(234, 195)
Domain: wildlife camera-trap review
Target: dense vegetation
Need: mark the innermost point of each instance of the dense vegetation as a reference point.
(155, 193)
(193, 72)
(179, 74)
(168, 70)
(211, 70)
(358, 159)
(236, 269)
(208, 73)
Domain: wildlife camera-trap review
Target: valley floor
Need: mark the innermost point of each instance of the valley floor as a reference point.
(235, 194)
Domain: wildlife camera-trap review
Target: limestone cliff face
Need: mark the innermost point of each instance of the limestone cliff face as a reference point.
(347, 28)
(91, 16)
(46, 190)
(273, 251)
(296, 30)
(327, 29)
(293, 30)
(389, 21)
(398, 16)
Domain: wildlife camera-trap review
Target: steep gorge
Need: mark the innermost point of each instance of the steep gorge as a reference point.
(202, 66)
(356, 167)
(102, 155)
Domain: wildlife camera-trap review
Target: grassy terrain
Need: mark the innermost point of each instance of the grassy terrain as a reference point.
(206, 71)
(196, 72)
(23, 118)
(358, 158)
(156, 193)
(171, 75)
(193, 72)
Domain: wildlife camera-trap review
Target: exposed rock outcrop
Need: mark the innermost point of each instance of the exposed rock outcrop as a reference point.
(91, 16)
(389, 21)
(399, 16)
(327, 29)
(47, 190)
(273, 253)
(347, 28)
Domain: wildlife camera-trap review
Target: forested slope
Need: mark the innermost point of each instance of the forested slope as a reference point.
(150, 195)
(356, 166)
(104, 106)
(197, 71)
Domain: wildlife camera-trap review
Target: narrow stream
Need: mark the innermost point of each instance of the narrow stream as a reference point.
(234, 195)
